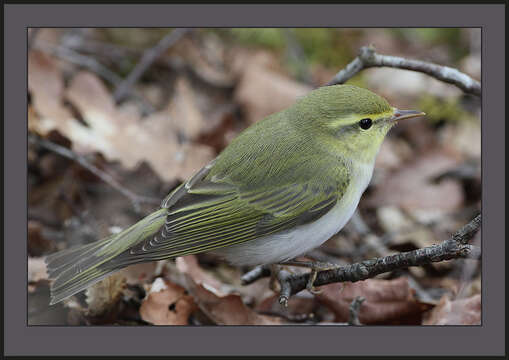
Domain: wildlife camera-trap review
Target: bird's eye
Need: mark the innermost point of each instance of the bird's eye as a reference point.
(366, 123)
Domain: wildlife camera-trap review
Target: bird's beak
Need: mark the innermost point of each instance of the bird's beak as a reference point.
(405, 114)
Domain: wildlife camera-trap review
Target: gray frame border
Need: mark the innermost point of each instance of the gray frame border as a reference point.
(487, 339)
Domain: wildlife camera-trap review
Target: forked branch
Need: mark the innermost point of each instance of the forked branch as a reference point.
(456, 247)
(368, 58)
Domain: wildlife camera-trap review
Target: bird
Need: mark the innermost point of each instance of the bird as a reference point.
(281, 188)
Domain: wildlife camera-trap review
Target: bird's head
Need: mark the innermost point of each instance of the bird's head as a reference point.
(349, 120)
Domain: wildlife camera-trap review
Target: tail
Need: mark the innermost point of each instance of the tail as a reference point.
(75, 269)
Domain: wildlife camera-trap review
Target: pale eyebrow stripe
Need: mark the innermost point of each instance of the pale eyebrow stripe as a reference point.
(339, 122)
(373, 117)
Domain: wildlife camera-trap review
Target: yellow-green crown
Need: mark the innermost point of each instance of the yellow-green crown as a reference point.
(343, 100)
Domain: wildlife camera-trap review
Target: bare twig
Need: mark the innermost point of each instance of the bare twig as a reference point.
(297, 55)
(368, 58)
(467, 232)
(454, 248)
(90, 63)
(255, 274)
(135, 199)
(149, 56)
(355, 306)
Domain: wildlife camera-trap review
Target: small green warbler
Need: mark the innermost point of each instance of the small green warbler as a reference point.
(281, 188)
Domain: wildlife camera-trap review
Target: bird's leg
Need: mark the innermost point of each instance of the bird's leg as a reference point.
(315, 268)
(274, 270)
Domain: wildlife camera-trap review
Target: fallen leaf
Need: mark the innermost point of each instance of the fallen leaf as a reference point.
(184, 112)
(206, 60)
(455, 312)
(36, 269)
(301, 307)
(211, 297)
(38, 244)
(116, 132)
(167, 304)
(46, 86)
(139, 273)
(387, 301)
(104, 295)
(262, 91)
(411, 187)
(464, 137)
(189, 265)
(393, 220)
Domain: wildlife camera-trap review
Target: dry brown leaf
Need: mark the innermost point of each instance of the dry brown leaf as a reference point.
(104, 295)
(38, 244)
(139, 273)
(464, 137)
(206, 60)
(36, 269)
(116, 132)
(262, 91)
(188, 265)
(300, 305)
(167, 304)
(256, 292)
(387, 301)
(46, 86)
(392, 154)
(184, 112)
(411, 187)
(212, 298)
(455, 312)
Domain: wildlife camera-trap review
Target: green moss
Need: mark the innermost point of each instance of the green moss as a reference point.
(439, 110)
(450, 38)
(135, 37)
(264, 37)
(327, 46)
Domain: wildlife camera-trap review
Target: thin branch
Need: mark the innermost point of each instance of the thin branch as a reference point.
(467, 232)
(90, 63)
(296, 54)
(149, 56)
(355, 306)
(255, 274)
(135, 199)
(368, 58)
(454, 248)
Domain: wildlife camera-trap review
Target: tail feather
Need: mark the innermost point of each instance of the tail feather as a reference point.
(75, 269)
(93, 277)
(61, 261)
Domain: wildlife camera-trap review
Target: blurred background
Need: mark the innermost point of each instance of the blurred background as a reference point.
(118, 117)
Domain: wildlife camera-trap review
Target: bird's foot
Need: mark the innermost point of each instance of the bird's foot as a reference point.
(315, 267)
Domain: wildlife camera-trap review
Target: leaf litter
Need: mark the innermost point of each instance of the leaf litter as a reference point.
(214, 92)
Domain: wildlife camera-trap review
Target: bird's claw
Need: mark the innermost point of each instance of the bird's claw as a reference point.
(283, 300)
(309, 286)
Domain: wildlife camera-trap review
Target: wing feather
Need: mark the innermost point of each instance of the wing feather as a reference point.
(208, 213)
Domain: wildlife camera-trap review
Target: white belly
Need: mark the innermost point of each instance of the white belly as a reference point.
(292, 243)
